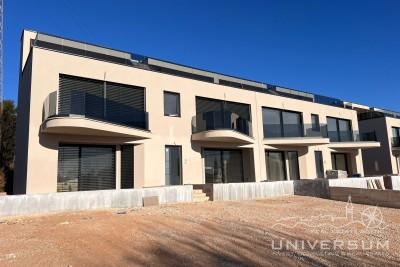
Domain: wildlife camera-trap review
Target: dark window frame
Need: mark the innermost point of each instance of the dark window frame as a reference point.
(317, 127)
(180, 165)
(286, 163)
(338, 128)
(222, 150)
(178, 107)
(346, 161)
(281, 121)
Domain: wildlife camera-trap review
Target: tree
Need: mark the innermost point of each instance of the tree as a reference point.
(8, 120)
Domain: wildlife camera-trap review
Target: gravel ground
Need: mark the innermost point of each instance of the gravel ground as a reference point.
(247, 233)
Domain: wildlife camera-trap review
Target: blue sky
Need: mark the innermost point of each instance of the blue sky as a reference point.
(344, 49)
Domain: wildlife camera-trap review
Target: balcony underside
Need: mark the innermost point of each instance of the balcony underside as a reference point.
(354, 145)
(90, 127)
(296, 141)
(226, 136)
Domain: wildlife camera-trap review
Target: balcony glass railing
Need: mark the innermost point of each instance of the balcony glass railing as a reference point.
(220, 120)
(293, 130)
(395, 141)
(308, 131)
(351, 136)
(90, 106)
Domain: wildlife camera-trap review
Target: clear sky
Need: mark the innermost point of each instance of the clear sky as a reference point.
(344, 49)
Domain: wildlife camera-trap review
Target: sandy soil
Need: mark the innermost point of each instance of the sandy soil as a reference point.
(247, 233)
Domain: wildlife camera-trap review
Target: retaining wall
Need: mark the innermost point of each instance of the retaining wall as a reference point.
(247, 191)
(381, 198)
(88, 200)
(311, 187)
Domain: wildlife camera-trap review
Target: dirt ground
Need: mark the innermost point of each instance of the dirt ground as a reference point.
(247, 233)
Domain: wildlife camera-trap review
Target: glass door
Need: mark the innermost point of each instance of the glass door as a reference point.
(223, 166)
(339, 162)
(276, 168)
(173, 165)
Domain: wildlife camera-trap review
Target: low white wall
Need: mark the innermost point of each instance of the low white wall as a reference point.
(88, 200)
(352, 182)
(396, 182)
(247, 191)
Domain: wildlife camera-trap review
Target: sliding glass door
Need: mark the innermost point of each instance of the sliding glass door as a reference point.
(223, 166)
(282, 165)
(339, 130)
(276, 167)
(282, 123)
(339, 162)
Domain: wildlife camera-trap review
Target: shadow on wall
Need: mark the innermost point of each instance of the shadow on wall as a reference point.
(312, 188)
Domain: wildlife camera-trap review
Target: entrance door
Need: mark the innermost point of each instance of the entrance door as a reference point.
(223, 166)
(319, 164)
(339, 162)
(173, 165)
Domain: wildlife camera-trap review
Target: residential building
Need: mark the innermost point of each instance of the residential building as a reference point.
(386, 158)
(94, 118)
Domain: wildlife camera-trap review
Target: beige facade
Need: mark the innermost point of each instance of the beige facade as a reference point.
(38, 140)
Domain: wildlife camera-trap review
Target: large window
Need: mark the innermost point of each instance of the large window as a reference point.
(173, 165)
(223, 166)
(282, 123)
(107, 101)
(282, 165)
(214, 114)
(82, 168)
(339, 162)
(339, 130)
(396, 136)
(172, 104)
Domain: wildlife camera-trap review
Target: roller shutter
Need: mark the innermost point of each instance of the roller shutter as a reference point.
(82, 168)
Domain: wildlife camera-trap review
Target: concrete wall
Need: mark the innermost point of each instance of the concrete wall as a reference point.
(150, 161)
(312, 188)
(381, 198)
(88, 200)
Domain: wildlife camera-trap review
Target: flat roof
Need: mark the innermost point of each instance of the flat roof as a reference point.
(67, 45)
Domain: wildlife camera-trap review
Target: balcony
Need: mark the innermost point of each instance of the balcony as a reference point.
(221, 126)
(294, 135)
(352, 140)
(91, 115)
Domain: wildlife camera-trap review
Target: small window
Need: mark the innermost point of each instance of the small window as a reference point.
(172, 104)
(315, 122)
